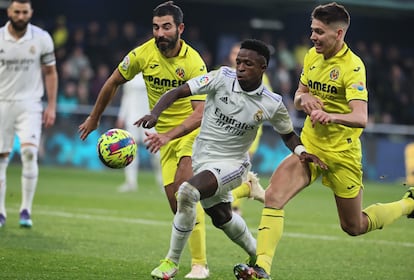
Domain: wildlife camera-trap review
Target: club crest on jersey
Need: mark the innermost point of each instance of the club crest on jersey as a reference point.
(334, 75)
(32, 50)
(203, 80)
(180, 72)
(125, 63)
(258, 116)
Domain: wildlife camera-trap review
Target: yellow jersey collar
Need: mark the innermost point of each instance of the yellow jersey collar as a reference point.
(183, 49)
(342, 51)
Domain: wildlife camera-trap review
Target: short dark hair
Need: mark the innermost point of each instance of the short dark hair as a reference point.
(331, 12)
(168, 8)
(256, 45)
(21, 2)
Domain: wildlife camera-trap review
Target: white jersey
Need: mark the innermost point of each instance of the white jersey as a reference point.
(134, 102)
(232, 116)
(20, 63)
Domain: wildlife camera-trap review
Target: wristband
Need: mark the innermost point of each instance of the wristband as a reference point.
(299, 149)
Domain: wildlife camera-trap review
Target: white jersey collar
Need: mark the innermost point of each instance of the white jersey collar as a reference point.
(27, 36)
(237, 88)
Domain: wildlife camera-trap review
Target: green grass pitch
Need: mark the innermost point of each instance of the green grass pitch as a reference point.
(84, 229)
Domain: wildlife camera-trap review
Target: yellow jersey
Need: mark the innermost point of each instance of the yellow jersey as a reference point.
(335, 81)
(162, 74)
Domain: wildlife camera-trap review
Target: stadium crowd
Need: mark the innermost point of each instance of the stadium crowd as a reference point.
(87, 54)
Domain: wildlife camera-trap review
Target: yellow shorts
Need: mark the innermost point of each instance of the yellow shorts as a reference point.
(172, 152)
(344, 175)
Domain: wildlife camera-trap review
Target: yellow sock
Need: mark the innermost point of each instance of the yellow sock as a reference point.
(382, 214)
(268, 237)
(241, 191)
(197, 239)
(237, 203)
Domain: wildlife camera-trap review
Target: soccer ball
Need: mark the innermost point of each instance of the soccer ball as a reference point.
(116, 148)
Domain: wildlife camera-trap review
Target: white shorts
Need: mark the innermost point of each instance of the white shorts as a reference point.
(229, 175)
(23, 118)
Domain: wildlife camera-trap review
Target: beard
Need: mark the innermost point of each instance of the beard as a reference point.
(18, 25)
(165, 44)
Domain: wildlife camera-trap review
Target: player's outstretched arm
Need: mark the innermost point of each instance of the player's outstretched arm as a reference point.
(168, 98)
(358, 117)
(189, 124)
(155, 141)
(292, 141)
(304, 101)
(105, 96)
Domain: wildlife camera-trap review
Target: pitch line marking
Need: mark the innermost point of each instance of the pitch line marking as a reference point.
(63, 214)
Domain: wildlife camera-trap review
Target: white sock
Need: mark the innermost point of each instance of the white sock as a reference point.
(236, 229)
(30, 173)
(184, 220)
(177, 243)
(131, 173)
(4, 161)
(156, 166)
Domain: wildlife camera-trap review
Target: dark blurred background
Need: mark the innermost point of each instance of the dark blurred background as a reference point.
(105, 30)
(91, 38)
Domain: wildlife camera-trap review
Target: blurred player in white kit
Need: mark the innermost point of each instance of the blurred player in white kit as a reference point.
(27, 70)
(134, 103)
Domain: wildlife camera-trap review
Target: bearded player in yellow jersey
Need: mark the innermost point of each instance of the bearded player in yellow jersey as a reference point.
(333, 94)
(166, 61)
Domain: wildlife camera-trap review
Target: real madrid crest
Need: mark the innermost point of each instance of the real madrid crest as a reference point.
(32, 50)
(258, 116)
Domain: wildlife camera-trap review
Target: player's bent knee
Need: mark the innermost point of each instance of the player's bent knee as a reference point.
(187, 196)
(28, 153)
(352, 230)
(275, 198)
(219, 221)
(29, 161)
(220, 214)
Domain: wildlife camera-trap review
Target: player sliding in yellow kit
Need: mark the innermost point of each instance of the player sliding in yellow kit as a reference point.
(332, 93)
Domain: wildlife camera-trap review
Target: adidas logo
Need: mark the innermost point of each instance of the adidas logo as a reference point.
(224, 99)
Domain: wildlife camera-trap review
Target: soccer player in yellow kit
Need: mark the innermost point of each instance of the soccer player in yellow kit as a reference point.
(333, 94)
(166, 62)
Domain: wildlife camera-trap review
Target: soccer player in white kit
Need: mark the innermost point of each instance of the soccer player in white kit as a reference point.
(26, 51)
(134, 102)
(237, 104)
